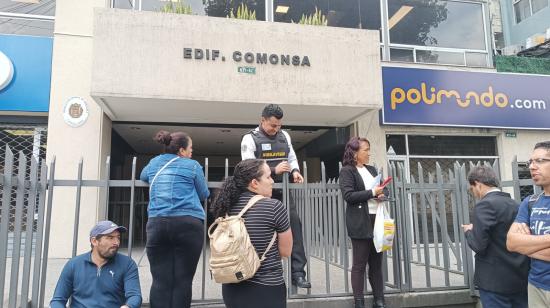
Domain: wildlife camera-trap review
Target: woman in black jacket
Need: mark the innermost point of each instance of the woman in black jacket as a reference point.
(357, 182)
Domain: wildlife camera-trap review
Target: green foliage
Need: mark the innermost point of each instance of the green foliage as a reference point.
(176, 7)
(316, 19)
(243, 13)
(527, 65)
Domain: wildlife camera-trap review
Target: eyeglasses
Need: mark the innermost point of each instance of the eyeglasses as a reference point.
(538, 161)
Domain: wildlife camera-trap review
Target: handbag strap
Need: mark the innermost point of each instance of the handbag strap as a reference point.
(160, 170)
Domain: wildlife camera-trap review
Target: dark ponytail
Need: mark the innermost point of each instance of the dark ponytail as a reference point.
(235, 185)
(172, 142)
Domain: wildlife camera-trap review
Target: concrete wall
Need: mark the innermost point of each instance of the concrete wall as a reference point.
(515, 33)
(139, 64)
(71, 76)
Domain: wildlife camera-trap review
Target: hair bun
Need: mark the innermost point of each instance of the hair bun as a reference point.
(163, 137)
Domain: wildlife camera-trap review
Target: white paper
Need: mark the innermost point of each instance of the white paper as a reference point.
(374, 182)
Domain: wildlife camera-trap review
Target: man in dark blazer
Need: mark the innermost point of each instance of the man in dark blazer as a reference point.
(500, 275)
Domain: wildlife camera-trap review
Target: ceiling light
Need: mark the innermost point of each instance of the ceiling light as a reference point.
(402, 12)
(225, 130)
(281, 9)
(20, 132)
(135, 128)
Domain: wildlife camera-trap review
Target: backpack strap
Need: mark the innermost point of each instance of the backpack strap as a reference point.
(269, 246)
(532, 200)
(250, 203)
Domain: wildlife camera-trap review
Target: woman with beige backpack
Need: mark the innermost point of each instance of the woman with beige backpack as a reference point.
(264, 217)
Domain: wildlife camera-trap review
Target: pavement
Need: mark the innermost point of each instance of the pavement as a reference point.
(328, 280)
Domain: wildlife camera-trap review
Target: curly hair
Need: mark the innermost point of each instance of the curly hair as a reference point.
(235, 185)
(351, 149)
(172, 142)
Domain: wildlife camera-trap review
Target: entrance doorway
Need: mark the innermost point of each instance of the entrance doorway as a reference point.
(215, 145)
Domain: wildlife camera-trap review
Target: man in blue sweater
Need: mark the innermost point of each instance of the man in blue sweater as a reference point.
(100, 278)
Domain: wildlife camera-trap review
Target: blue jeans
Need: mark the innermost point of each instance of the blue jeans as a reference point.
(498, 300)
(174, 247)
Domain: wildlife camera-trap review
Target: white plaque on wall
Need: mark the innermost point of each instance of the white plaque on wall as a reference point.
(75, 111)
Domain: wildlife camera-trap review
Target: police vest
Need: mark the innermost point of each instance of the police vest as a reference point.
(272, 149)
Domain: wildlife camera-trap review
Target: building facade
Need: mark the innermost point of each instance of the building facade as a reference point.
(413, 76)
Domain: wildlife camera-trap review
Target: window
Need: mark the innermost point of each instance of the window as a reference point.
(361, 14)
(522, 9)
(525, 8)
(215, 8)
(538, 5)
(36, 19)
(436, 23)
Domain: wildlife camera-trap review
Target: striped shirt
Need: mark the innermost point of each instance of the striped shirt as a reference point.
(261, 220)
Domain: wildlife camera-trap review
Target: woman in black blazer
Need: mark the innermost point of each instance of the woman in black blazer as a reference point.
(355, 175)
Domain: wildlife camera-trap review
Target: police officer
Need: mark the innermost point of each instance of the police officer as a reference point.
(269, 142)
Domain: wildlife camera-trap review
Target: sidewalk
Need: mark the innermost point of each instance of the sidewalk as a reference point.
(334, 286)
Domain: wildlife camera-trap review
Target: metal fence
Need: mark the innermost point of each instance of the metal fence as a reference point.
(429, 252)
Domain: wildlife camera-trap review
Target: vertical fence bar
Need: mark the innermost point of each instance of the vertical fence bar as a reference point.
(132, 197)
(106, 192)
(39, 234)
(398, 185)
(443, 222)
(425, 236)
(205, 230)
(307, 223)
(469, 257)
(226, 168)
(414, 205)
(47, 224)
(5, 218)
(343, 237)
(324, 218)
(462, 218)
(16, 248)
(433, 207)
(290, 289)
(77, 207)
(456, 226)
(33, 189)
(404, 215)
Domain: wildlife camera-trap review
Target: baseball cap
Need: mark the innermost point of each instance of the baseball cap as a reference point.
(105, 227)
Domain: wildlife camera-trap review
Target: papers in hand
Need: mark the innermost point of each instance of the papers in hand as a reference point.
(375, 182)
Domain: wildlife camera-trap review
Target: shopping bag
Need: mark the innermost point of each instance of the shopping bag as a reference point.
(384, 229)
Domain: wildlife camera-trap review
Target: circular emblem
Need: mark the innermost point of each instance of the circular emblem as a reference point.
(6, 70)
(75, 111)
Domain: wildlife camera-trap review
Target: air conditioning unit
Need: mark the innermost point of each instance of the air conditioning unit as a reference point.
(511, 50)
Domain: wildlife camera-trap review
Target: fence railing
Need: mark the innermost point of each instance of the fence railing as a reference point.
(429, 252)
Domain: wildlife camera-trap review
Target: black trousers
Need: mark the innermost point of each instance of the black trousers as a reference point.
(364, 253)
(251, 295)
(298, 258)
(174, 246)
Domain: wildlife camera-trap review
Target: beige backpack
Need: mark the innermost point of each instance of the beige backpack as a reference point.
(232, 256)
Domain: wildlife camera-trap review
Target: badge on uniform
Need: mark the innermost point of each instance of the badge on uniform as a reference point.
(266, 146)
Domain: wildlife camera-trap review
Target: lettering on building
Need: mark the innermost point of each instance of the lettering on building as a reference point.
(248, 57)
